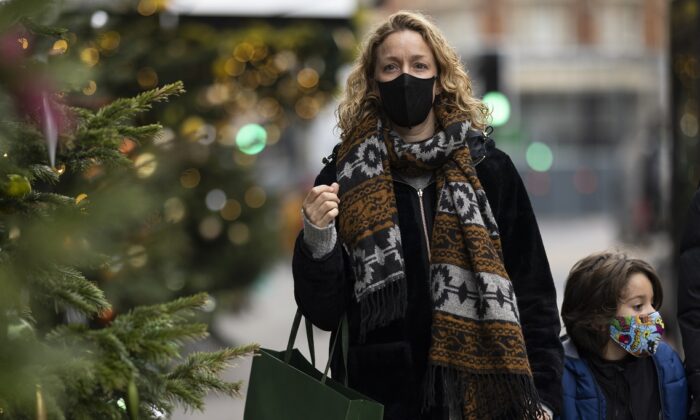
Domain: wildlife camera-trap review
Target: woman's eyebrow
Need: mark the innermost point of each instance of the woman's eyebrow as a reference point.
(395, 58)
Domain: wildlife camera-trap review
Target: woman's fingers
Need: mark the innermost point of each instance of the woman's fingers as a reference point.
(321, 204)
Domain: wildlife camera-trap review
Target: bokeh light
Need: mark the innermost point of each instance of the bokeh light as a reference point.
(209, 304)
(233, 67)
(59, 47)
(255, 197)
(109, 40)
(147, 78)
(500, 108)
(164, 138)
(539, 157)
(244, 52)
(91, 88)
(190, 178)
(238, 233)
(90, 56)
(174, 210)
(251, 139)
(137, 256)
(232, 210)
(307, 107)
(146, 164)
(210, 227)
(190, 126)
(99, 19)
(215, 199)
(307, 78)
(147, 7)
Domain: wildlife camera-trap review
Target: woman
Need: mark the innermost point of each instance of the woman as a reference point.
(421, 231)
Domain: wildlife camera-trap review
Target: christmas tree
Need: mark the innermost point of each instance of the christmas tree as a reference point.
(250, 83)
(68, 204)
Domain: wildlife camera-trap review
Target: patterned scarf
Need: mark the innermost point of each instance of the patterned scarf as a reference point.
(478, 351)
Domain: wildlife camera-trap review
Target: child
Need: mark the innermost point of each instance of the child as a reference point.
(616, 366)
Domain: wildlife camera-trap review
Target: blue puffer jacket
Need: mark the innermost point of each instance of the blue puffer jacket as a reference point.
(584, 400)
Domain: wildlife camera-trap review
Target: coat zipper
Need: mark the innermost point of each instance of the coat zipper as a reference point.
(419, 191)
(425, 224)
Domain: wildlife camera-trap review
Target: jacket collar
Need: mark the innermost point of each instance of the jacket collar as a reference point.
(570, 349)
(479, 145)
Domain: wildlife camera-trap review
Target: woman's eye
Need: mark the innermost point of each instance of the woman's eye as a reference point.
(421, 66)
(389, 67)
(638, 307)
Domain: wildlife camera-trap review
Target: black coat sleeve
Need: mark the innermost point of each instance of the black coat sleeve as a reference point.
(689, 297)
(527, 265)
(322, 287)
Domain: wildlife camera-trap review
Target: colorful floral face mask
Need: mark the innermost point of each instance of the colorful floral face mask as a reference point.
(637, 334)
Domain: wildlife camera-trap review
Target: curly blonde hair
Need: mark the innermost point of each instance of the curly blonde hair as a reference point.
(360, 100)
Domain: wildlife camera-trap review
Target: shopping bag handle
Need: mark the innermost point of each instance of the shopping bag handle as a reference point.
(293, 338)
(342, 332)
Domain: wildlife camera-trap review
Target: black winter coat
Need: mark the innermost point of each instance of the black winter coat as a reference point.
(689, 297)
(390, 364)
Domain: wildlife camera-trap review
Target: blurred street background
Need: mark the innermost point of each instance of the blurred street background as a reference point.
(595, 101)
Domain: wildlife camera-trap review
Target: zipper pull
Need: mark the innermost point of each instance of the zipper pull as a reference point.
(420, 193)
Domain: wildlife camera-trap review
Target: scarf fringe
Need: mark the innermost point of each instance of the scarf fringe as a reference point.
(496, 396)
(382, 306)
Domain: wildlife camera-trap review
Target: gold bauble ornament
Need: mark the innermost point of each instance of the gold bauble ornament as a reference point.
(16, 186)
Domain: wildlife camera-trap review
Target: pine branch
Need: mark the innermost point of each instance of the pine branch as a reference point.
(189, 383)
(122, 110)
(39, 29)
(71, 289)
(143, 133)
(43, 173)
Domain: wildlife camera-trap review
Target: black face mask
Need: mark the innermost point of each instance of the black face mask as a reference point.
(407, 99)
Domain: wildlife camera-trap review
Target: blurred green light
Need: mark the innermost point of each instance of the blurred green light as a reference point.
(539, 156)
(500, 107)
(251, 139)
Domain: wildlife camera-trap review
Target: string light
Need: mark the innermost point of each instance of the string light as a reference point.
(59, 47)
(190, 178)
(90, 56)
(90, 89)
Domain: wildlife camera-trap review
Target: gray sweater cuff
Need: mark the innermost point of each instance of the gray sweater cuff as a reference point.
(320, 241)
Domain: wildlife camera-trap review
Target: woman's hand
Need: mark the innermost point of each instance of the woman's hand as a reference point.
(321, 204)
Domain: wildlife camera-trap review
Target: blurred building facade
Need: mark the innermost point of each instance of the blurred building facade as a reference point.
(587, 85)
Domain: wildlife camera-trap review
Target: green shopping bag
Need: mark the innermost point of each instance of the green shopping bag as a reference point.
(285, 386)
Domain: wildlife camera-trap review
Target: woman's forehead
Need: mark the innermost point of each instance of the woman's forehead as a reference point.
(404, 44)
